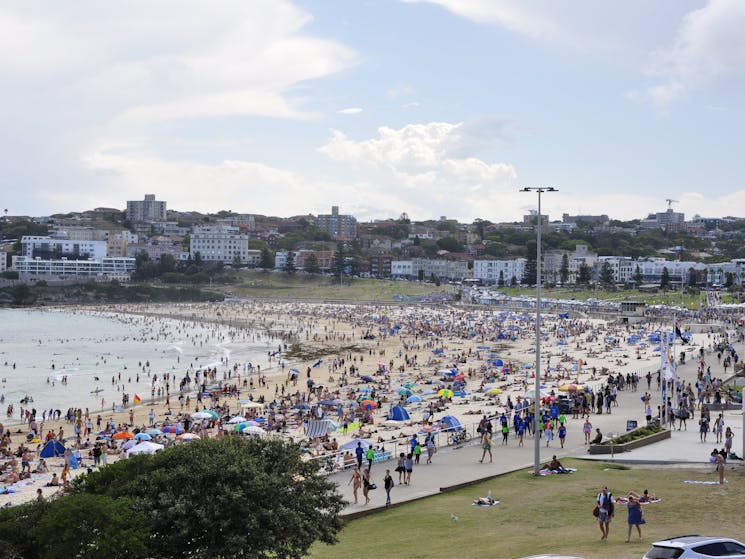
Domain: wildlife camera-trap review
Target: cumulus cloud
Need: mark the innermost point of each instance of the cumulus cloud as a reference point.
(427, 168)
(709, 46)
(91, 76)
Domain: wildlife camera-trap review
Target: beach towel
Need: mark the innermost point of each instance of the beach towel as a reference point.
(702, 482)
(480, 503)
(546, 472)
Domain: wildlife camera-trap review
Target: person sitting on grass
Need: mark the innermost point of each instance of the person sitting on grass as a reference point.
(555, 466)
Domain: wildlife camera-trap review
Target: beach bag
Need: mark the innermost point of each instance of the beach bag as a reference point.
(372, 486)
(596, 511)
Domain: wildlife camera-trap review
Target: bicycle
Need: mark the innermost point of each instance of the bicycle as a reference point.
(458, 437)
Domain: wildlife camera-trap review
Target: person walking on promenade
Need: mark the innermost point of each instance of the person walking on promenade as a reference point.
(430, 442)
(401, 468)
(606, 511)
(355, 481)
(486, 446)
(409, 464)
(366, 485)
(388, 484)
(635, 517)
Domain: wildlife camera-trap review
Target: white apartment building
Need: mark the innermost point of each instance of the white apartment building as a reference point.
(716, 274)
(488, 271)
(623, 267)
(31, 269)
(46, 247)
(652, 268)
(425, 268)
(220, 244)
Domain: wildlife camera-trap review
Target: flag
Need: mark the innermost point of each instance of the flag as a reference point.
(137, 399)
(679, 334)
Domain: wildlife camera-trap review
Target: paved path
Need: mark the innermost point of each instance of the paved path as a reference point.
(455, 466)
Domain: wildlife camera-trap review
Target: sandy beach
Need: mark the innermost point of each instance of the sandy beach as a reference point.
(339, 354)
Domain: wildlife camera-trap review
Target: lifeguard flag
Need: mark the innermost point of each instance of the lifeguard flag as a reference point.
(137, 399)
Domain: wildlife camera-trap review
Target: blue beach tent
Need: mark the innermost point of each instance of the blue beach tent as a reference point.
(52, 449)
(398, 413)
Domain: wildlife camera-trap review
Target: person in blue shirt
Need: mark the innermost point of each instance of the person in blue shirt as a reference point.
(360, 453)
(562, 434)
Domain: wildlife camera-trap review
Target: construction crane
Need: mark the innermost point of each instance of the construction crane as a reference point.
(670, 203)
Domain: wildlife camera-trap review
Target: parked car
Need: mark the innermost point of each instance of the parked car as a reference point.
(696, 547)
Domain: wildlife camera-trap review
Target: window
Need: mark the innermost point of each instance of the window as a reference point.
(660, 552)
(716, 549)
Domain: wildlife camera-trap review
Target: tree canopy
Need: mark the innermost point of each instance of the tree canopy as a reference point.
(217, 498)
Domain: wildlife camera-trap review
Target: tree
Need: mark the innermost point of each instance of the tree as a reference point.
(606, 274)
(692, 277)
(584, 274)
(290, 263)
(500, 281)
(513, 281)
(451, 244)
(267, 259)
(166, 263)
(228, 497)
(339, 259)
(311, 264)
(665, 278)
(564, 270)
(237, 259)
(638, 278)
(530, 274)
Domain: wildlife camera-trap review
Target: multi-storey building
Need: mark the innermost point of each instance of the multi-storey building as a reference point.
(32, 269)
(490, 271)
(148, 209)
(220, 244)
(338, 225)
(425, 268)
(46, 247)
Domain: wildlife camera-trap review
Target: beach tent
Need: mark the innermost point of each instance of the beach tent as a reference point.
(351, 445)
(450, 423)
(316, 428)
(52, 449)
(398, 413)
(145, 447)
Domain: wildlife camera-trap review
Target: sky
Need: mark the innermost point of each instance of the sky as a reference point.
(381, 107)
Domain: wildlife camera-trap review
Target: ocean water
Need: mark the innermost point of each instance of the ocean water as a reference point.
(59, 357)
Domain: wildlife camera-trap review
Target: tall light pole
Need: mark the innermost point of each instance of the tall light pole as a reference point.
(539, 281)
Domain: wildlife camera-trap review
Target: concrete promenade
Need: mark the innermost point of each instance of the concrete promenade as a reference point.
(453, 466)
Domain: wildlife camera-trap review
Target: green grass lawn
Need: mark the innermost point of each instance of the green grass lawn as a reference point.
(303, 286)
(667, 298)
(550, 514)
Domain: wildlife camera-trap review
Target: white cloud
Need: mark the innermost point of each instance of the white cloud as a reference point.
(349, 111)
(709, 46)
(424, 165)
(88, 77)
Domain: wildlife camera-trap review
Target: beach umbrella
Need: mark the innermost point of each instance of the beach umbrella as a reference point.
(153, 432)
(410, 385)
(173, 429)
(121, 435)
(142, 437)
(129, 444)
(459, 377)
(253, 430)
(445, 393)
(404, 392)
(237, 419)
(413, 399)
(494, 390)
(201, 415)
(213, 414)
(366, 389)
(368, 405)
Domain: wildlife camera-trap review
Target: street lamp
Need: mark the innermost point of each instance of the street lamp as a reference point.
(539, 280)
